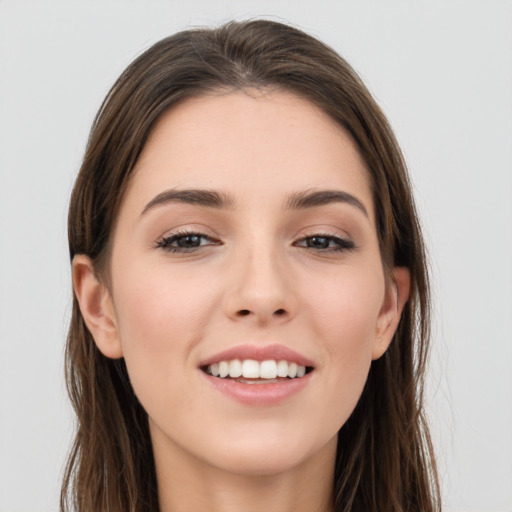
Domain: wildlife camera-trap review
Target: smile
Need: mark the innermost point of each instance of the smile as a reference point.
(258, 375)
(256, 371)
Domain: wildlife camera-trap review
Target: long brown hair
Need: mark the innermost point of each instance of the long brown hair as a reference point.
(384, 461)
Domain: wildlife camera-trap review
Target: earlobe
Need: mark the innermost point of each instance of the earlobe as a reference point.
(397, 294)
(96, 306)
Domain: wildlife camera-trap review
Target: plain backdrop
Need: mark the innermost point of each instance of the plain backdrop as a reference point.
(442, 72)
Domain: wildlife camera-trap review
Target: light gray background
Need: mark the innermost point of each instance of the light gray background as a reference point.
(442, 72)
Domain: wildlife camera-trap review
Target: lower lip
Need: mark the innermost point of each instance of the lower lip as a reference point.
(272, 393)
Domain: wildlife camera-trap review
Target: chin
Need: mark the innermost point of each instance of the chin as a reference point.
(271, 454)
(260, 463)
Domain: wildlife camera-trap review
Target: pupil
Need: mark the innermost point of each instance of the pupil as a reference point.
(320, 242)
(189, 241)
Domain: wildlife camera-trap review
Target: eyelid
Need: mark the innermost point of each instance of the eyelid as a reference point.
(336, 241)
(164, 242)
(343, 242)
(187, 228)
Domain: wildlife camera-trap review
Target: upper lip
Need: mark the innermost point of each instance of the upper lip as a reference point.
(258, 353)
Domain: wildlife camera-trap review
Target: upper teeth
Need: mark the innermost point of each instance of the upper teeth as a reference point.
(251, 369)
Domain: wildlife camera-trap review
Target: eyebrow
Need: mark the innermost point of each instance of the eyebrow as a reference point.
(312, 198)
(220, 200)
(207, 198)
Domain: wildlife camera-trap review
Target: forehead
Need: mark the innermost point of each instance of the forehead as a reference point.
(251, 145)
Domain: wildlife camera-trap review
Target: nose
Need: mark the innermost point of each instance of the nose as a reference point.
(262, 289)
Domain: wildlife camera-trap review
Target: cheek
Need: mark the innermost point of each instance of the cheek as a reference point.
(157, 304)
(345, 307)
(161, 317)
(344, 313)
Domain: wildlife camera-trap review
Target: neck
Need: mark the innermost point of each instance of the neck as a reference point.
(188, 484)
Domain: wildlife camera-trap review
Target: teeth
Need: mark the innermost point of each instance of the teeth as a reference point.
(292, 370)
(251, 369)
(235, 369)
(268, 370)
(282, 369)
(223, 369)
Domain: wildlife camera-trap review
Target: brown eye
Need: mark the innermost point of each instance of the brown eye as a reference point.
(318, 242)
(188, 241)
(326, 243)
(185, 242)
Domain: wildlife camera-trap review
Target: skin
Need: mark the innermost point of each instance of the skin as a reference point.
(255, 280)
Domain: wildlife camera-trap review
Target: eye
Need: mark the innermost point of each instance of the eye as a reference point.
(185, 242)
(325, 243)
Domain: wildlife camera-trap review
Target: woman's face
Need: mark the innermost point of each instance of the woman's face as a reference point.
(247, 234)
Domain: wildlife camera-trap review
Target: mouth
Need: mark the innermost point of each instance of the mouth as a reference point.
(251, 371)
(258, 375)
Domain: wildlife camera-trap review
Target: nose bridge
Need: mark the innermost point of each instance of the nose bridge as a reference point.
(262, 287)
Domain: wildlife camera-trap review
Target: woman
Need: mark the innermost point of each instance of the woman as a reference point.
(251, 313)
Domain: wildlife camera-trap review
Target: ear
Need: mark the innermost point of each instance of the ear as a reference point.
(97, 307)
(396, 296)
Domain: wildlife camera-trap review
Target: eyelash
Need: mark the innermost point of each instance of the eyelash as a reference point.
(166, 242)
(340, 244)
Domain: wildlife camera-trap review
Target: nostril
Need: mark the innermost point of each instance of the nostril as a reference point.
(247, 312)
